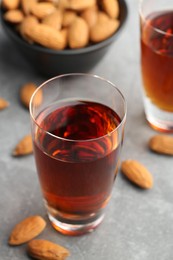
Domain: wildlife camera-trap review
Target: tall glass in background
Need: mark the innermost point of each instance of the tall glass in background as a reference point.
(156, 18)
(77, 134)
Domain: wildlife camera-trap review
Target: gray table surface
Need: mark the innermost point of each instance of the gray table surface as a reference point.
(138, 223)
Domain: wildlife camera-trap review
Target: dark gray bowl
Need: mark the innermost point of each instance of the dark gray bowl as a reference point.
(51, 62)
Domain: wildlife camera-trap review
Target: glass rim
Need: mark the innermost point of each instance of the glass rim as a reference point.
(145, 19)
(78, 74)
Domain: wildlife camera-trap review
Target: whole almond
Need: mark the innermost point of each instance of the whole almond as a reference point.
(64, 33)
(78, 33)
(54, 20)
(68, 18)
(14, 16)
(63, 4)
(26, 230)
(27, 5)
(46, 250)
(10, 4)
(102, 17)
(42, 9)
(28, 21)
(162, 144)
(3, 104)
(51, 1)
(102, 30)
(26, 92)
(111, 7)
(79, 5)
(90, 15)
(24, 147)
(46, 36)
(137, 173)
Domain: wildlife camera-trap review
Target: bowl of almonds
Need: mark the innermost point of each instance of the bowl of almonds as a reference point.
(63, 36)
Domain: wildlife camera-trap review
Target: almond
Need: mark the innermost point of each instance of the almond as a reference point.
(51, 1)
(26, 230)
(111, 7)
(24, 147)
(103, 29)
(63, 4)
(26, 92)
(10, 4)
(90, 15)
(79, 5)
(102, 17)
(3, 104)
(41, 10)
(137, 173)
(64, 33)
(46, 36)
(78, 33)
(14, 16)
(54, 20)
(68, 18)
(29, 20)
(46, 250)
(27, 5)
(162, 144)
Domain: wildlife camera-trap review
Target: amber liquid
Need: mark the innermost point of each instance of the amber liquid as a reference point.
(77, 176)
(157, 59)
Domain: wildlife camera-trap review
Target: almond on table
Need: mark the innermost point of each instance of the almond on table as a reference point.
(46, 250)
(137, 173)
(24, 147)
(26, 92)
(3, 103)
(162, 144)
(26, 230)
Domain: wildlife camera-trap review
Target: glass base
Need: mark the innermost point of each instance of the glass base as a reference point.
(158, 119)
(74, 225)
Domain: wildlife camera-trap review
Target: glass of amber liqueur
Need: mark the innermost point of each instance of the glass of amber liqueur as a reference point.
(156, 20)
(77, 133)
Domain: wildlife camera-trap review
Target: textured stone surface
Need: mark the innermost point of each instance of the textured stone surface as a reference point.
(138, 224)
